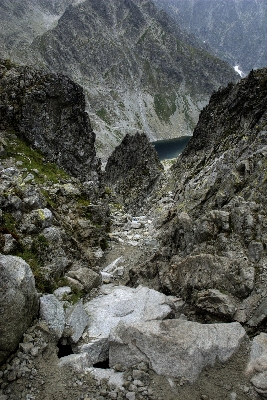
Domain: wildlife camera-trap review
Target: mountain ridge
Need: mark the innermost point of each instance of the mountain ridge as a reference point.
(142, 73)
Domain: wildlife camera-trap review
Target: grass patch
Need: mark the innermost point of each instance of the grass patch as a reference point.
(165, 106)
(34, 159)
(104, 115)
(8, 225)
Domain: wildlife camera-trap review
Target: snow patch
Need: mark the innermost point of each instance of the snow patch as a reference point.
(241, 73)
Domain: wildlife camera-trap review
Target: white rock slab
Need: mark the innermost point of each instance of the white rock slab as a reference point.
(120, 303)
(61, 292)
(52, 312)
(174, 348)
(77, 319)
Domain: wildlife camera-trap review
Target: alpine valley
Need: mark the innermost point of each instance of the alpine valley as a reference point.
(127, 277)
(140, 71)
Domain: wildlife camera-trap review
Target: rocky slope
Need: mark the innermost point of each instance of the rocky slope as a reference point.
(22, 22)
(54, 221)
(140, 71)
(235, 30)
(213, 238)
(200, 237)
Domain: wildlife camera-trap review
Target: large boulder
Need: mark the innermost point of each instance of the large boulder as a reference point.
(174, 347)
(19, 302)
(120, 303)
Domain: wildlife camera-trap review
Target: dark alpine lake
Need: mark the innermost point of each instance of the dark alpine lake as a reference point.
(170, 148)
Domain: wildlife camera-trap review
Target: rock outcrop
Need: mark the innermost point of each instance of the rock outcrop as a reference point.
(214, 235)
(133, 169)
(19, 302)
(48, 111)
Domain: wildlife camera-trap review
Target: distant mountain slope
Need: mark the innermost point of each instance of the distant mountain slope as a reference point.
(235, 30)
(22, 21)
(140, 71)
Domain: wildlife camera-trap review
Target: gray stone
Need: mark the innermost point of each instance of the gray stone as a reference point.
(173, 347)
(61, 292)
(130, 395)
(120, 303)
(114, 378)
(206, 271)
(10, 244)
(77, 319)
(259, 314)
(79, 362)
(255, 250)
(52, 312)
(19, 302)
(258, 354)
(259, 382)
(215, 302)
(88, 278)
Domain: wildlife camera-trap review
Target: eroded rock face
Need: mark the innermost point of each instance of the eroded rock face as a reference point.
(174, 347)
(133, 168)
(48, 110)
(214, 235)
(19, 302)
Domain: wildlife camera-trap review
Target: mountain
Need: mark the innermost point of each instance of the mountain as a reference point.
(21, 22)
(213, 232)
(140, 71)
(197, 231)
(235, 30)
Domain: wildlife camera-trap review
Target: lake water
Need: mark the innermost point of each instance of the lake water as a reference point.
(170, 148)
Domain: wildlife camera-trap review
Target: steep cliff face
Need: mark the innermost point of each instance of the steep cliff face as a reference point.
(133, 169)
(140, 71)
(214, 238)
(48, 110)
(235, 30)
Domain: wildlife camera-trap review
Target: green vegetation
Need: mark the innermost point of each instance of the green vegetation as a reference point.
(9, 225)
(165, 106)
(43, 285)
(149, 73)
(76, 294)
(104, 115)
(142, 37)
(34, 160)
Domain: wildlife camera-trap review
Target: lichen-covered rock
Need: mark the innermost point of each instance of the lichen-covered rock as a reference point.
(19, 302)
(133, 169)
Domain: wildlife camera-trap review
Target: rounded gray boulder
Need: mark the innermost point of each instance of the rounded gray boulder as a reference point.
(19, 302)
